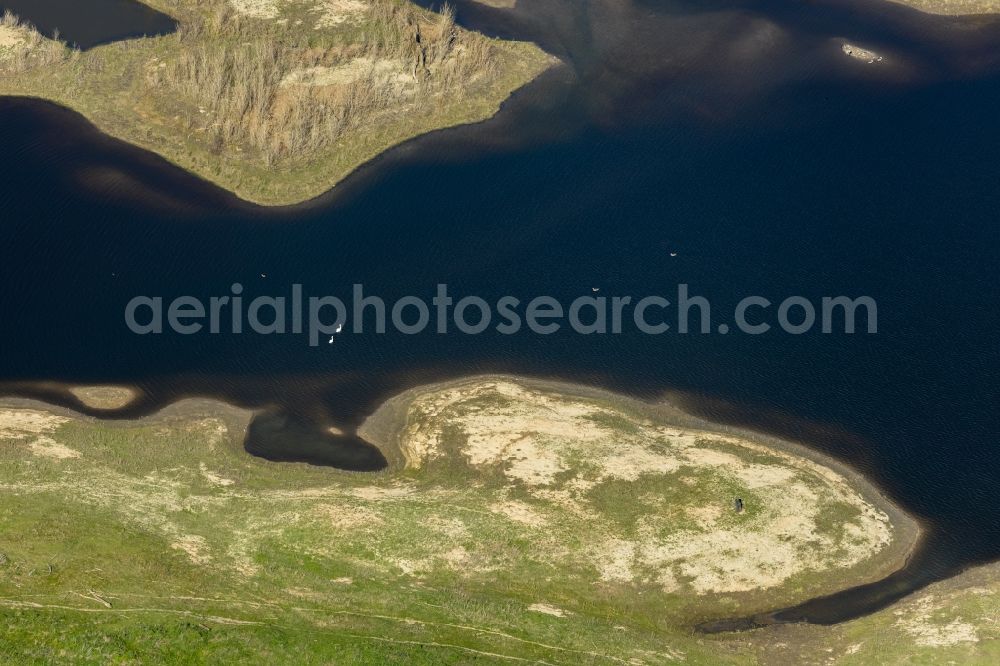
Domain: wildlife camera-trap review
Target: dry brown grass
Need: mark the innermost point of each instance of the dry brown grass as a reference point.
(232, 69)
(31, 49)
(278, 110)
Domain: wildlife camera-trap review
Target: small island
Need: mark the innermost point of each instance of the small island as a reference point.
(518, 520)
(275, 100)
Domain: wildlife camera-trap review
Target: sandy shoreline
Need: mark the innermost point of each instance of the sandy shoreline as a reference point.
(179, 409)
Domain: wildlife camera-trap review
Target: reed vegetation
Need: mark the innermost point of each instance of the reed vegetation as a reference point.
(32, 50)
(240, 73)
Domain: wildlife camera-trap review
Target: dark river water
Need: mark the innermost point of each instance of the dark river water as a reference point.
(735, 135)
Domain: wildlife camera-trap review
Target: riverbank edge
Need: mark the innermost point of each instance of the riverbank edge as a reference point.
(385, 425)
(179, 409)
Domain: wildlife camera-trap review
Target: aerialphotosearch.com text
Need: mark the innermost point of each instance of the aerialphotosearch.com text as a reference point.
(320, 318)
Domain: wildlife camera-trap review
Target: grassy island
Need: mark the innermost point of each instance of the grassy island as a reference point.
(517, 522)
(276, 100)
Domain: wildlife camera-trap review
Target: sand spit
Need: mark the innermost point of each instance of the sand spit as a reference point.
(104, 397)
(858, 53)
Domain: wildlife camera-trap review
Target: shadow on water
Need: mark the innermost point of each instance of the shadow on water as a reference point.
(279, 437)
(75, 155)
(737, 135)
(91, 23)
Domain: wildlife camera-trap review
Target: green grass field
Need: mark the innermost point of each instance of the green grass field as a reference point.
(956, 621)
(161, 540)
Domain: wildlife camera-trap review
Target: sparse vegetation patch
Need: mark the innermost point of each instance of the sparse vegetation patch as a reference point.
(527, 523)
